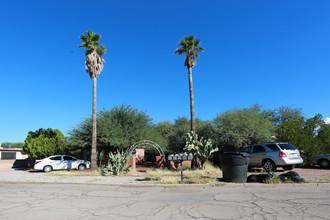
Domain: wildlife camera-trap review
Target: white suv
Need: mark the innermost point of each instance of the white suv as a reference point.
(271, 155)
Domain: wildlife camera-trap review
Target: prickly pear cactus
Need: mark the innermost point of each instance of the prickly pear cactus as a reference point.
(117, 163)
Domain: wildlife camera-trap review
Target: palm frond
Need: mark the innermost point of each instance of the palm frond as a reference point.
(83, 45)
(197, 42)
(179, 51)
(201, 49)
(196, 54)
(96, 38)
(90, 39)
(189, 45)
(101, 50)
(190, 38)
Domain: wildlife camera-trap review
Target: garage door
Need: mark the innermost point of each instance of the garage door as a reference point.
(8, 155)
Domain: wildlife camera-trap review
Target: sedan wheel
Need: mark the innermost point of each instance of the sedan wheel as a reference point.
(324, 163)
(269, 165)
(82, 167)
(47, 169)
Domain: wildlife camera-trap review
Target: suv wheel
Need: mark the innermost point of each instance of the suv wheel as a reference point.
(269, 165)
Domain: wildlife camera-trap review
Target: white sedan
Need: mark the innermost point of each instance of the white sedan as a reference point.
(61, 162)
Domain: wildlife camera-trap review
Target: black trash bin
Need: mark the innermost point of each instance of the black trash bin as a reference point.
(235, 166)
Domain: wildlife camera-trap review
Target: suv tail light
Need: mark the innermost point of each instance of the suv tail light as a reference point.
(38, 162)
(282, 154)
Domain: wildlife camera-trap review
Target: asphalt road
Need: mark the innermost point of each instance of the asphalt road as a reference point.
(232, 201)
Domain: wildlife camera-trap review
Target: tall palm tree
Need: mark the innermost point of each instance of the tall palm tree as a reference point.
(191, 48)
(94, 66)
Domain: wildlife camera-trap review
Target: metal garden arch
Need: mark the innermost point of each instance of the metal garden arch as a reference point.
(144, 143)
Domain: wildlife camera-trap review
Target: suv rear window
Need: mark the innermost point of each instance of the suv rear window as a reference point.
(287, 147)
(272, 146)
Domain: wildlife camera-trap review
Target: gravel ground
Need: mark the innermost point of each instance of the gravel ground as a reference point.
(6, 164)
(12, 175)
(311, 174)
(7, 174)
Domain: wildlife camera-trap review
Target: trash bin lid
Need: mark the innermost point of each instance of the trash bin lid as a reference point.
(244, 154)
(235, 154)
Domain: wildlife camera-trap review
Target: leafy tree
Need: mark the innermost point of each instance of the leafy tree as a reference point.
(119, 127)
(164, 128)
(160, 134)
(44, 143)
(206, 129)
(181, 126)
(177, 139)
(80, 138)
(191, 48)
(123, 126)
(304, 134)
(12, 145)
(241, 127)
(94, 66)
(324, 137)
(281, 114)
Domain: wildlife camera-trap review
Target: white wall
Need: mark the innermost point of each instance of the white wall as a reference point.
(19, 155)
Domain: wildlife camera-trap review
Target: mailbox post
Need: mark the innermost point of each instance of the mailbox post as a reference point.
(178, 158)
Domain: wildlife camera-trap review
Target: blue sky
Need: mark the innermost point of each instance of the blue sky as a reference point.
(272, 53)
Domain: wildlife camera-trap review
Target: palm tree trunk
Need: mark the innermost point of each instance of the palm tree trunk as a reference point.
(192, 105)
(195, 162)
(94, 151)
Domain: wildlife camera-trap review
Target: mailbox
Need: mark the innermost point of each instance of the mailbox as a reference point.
(179, 158)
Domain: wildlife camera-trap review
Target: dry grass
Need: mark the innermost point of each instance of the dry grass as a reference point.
(129, 173)
(168, 180)
(70, 173)
(324, 179)
(190, 180)
(207, 175)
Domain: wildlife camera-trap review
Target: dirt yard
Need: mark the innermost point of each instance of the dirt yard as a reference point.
(309, 174)
(6, 164)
